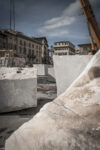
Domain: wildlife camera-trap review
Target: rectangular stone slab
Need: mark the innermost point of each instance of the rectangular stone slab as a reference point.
(42, 69)
(67, 69)
(17, 90)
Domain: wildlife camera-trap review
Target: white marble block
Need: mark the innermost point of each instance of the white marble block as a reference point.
(42, 69)
(17, 90)
(67, 68)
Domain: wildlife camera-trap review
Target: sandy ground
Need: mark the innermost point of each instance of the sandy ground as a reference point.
(9, 122)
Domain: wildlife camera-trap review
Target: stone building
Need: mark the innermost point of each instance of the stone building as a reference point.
(84, 49)
(23, 46)
(64, 48)
(3, 41)
(44, 47)
(51, 53)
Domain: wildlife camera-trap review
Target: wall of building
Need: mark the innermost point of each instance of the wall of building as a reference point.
(30, 48)
(45, 52)
(84, 49)
(64, 48)
(67, 69)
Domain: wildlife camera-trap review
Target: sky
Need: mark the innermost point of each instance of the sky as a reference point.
(58, 20)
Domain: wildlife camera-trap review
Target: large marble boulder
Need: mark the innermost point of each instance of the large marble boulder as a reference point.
(18, 88)
(70, 122)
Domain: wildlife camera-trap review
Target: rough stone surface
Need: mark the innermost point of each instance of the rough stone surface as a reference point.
(17, 90)
(67, 69)
(70, 122)
(42, 69)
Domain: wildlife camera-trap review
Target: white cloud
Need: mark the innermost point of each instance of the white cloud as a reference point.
(72, 9)
(54, 27)
(58, 22)
(65, 19)
(59, 33)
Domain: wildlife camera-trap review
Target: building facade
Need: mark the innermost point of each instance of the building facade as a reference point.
(84, 49)
(51, 53)
(23, 46)
(64, 48)
(44, 48)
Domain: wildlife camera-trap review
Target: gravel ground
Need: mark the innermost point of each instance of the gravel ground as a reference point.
(9, 122)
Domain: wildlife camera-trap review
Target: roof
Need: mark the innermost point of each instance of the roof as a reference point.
(19, 34)
(85, 44)
(27, 37)
(40, 39)
(64, 42)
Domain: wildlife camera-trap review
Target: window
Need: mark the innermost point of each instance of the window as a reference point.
(15, 47)
(32, 52)
(29, 44)
(15, 39)
(24, 50)
(10, 46)
(4, 45)
(20, 42)
(29, 52)
(0, 46)
(20, 50)
(24, 43)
